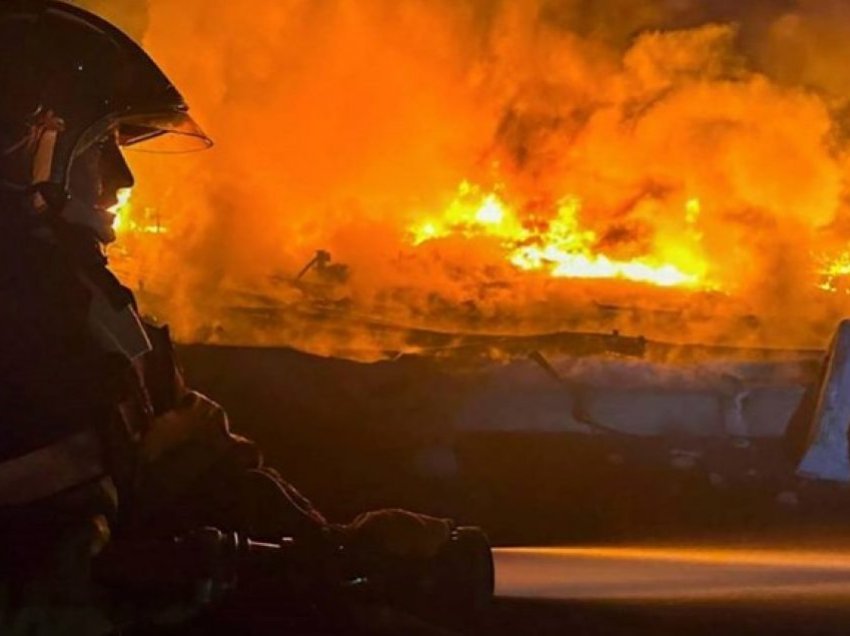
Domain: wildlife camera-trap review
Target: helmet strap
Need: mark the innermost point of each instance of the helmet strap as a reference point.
(41, 165)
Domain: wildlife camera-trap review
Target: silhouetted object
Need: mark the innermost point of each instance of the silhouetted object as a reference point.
(328, 272)
(283, 578)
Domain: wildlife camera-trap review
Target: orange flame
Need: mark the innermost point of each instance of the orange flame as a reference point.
(562, 248)
(128, 220)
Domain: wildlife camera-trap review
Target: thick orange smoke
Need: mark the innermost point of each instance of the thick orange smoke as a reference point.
(490, 165)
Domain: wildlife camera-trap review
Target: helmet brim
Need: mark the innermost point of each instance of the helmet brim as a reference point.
(173, 132)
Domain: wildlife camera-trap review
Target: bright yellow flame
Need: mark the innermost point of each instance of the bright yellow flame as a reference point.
(121, 208)
(693, 208)
(129, 220)
(491, 212)
(566, 265)
(471, 213)
(562, 248)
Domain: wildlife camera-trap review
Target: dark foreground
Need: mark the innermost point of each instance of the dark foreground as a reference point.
(827, 616)
(355, 437)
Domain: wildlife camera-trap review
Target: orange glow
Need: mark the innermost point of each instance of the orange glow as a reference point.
(495, 167)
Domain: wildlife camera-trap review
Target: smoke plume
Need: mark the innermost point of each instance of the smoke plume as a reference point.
(711, 135)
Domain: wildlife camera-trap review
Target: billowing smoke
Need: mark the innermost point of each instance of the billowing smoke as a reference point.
(711, 135)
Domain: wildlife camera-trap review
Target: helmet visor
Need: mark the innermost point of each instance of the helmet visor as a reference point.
(173, 132)
(164, 132)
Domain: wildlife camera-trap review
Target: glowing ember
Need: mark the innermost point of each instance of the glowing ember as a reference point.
(560, 247)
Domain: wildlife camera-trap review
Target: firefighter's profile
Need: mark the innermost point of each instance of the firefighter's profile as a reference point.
(100, 439)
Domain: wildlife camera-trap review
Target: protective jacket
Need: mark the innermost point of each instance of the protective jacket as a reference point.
(101, 437)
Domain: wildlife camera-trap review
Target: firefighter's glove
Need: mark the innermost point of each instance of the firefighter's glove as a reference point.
(398, 533)
(197, 422)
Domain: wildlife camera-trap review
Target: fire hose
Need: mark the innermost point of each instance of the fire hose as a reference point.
(451, 589)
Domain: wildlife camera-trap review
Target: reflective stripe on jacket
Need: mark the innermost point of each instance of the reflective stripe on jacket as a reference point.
(69, 463)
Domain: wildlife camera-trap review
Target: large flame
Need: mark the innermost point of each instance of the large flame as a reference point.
(559, 246)
(668, 169)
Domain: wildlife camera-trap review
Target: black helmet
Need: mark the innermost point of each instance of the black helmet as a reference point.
(67, 71)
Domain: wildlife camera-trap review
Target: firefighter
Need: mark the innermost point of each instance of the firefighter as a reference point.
(99, 438)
